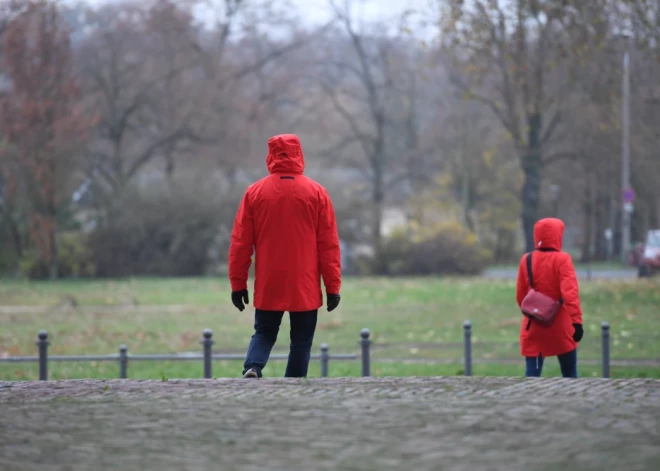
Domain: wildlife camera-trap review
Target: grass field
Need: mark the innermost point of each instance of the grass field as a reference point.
(414, 322)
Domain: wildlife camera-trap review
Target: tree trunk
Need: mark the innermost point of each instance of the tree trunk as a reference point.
(169, 166)
(466, 194)
(16, 236)
(53, 271)
(379, 266)
(588, 224)
(6, 215)
(378, 197)
(600, 246)
(531, 190)
(654, 214)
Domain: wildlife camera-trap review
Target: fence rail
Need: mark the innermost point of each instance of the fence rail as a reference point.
(207, 356)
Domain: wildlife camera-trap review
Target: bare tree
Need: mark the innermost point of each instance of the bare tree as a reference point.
(370, 83)
(520, 58)
(138, 69)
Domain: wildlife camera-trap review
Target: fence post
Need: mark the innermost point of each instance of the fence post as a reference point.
(42, 343)
(605, 330)
(365, 342)
(467, 340)
(325, 357)
(123, 361)
(207, 342)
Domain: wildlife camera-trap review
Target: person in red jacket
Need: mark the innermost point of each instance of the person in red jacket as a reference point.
(288, 221)
(554, 276)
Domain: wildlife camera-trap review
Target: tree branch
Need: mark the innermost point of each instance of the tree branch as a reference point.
(350, 119)
(172, 138)
(493, 106)
(552, 126)
(558, 157)
(277, 54)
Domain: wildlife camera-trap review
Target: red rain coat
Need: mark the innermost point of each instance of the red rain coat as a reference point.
(288, 221)
(554, 275)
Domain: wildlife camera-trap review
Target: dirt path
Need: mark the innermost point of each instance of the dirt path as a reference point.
(339, 424)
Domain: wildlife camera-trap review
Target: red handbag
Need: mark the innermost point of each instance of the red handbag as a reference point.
(536, 305)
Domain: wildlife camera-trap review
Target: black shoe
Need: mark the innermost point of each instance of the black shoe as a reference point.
(251, 374)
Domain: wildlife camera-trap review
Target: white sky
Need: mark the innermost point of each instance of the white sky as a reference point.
(315, 12)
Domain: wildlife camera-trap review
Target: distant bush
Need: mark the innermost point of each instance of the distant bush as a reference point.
(170, 233)
(74, 259)
(448, 248)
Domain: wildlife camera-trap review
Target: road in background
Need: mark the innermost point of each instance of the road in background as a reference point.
(582, 273)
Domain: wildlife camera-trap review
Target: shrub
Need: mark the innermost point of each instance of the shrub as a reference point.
(160, 234)
(448, 248)
(74, 258)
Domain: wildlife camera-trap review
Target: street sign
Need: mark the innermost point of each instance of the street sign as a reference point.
(608, 234)
(628, 195)
(628, 208)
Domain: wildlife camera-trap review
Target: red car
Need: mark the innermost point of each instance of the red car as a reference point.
(650, 260)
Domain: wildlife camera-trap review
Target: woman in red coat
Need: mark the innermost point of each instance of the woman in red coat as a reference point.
(554, 276)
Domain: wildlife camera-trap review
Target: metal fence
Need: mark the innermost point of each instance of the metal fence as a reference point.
(207, 356)
(605, 348)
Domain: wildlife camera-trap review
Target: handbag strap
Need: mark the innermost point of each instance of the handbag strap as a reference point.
(530, 276)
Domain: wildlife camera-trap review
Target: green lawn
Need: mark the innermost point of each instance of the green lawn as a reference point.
(418, 319)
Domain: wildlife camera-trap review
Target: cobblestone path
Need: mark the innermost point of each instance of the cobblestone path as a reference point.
(336, 424)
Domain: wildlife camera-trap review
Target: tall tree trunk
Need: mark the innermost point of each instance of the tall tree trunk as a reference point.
(600, 247)
(654, 214)
(169, 165)
(588, 223)
(531, 190)
(14, 230)
(6, 215)
(379, 266)
(378, 196)
(53, 268)
(466, 195)
(16, 236)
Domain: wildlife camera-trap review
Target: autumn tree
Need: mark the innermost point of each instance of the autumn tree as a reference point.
(518, 59)
(593, 129)
(40, 119)
(10, 214)
(645, 90)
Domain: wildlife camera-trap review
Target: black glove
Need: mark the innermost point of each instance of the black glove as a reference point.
(240, 297)
(579, 332)
(333, 301)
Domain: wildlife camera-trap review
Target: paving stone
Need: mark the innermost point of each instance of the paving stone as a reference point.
(339, 424)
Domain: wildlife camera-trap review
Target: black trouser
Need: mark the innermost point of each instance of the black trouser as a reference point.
(567, 363)
(266, 328)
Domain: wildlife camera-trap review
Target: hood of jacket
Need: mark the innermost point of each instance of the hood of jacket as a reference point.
(285, 154)
(548, 234)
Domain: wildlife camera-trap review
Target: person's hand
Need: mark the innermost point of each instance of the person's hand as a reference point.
(333, 301)
(578, 333)
(240, 297)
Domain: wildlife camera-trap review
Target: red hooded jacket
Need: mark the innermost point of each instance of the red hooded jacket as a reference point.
(288, 221)
(554, 275)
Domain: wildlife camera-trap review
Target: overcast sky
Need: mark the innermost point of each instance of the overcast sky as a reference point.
(315, 12)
